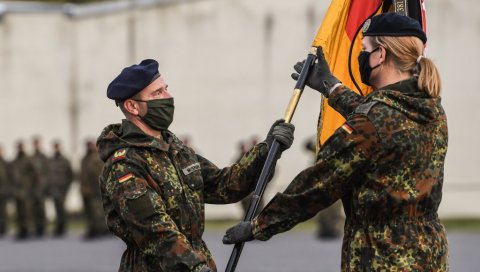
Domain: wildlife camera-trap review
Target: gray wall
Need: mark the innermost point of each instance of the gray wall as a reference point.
(228, 64)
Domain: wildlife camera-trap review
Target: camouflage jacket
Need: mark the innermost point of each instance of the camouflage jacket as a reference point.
(91, 168)
(154, 192)
(61, 174)
(5, 182)
(40, 165)
(23, 175)
(386, 164)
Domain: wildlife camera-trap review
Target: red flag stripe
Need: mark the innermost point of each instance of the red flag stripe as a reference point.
(359, 11)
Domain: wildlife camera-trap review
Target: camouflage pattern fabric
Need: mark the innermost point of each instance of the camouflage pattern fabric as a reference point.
(329, 220)
(91, 168)
(61, 176)
(5, 189)
(40, 165)
(386, 164)
(154, 191)
(23, 176)
(5, 182)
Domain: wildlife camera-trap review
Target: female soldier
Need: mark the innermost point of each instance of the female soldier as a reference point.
(385, 162)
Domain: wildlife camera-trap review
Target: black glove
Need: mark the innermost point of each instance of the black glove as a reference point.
(282, 132)
(320, 77)
(242, 232)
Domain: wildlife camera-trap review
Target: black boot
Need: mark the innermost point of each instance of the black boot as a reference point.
(59, 230)
(21, 235)
(39, 231)
(3, 230)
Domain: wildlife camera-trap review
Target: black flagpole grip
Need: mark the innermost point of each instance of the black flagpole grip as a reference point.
(272, 156)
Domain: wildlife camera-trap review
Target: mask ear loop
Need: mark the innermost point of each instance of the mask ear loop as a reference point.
(378, 65)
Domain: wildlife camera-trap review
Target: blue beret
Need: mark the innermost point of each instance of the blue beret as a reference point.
(393, 24)
(133, 79)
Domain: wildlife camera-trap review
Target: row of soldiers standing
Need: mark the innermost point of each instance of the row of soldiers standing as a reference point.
(29, 180)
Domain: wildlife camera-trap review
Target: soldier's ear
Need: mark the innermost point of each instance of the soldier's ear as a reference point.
(131, 106)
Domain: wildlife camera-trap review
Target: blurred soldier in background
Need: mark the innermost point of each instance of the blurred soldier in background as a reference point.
(61, 176)
(330, 221)
(40, 165)
(23, 176)
(92, 200)
(5, 191)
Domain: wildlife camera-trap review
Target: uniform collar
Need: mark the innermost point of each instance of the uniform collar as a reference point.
(134, 135)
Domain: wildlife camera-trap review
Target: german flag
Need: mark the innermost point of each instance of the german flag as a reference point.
(340, 37)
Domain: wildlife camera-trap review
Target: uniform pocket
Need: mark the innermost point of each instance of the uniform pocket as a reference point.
(194, 181)
(141, 207)
(134, 189)
(191, 171)
(138, 200)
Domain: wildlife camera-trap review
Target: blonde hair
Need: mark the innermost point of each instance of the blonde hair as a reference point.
(406, 54)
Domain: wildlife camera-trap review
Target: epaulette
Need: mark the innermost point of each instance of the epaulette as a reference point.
(365, 108)
(119, 155)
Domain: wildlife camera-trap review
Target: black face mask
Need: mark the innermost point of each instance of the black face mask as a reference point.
(365, 69)
(159, 115)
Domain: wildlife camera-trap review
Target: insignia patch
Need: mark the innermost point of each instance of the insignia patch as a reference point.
(125, 178)
(366, 25)
(119, 155)
(347, 128)
(190, 169)
(365, 108)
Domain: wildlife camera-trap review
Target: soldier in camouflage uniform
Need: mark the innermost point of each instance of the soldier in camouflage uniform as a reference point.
(61, 176)
(40, 164)
(90, 171)
(5, 191)
(385, 163)
(154, 187)
(23, 177)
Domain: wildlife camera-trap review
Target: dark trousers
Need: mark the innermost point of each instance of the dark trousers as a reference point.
(23, 212)
(39, 217)
(61, 218)
(3, 215)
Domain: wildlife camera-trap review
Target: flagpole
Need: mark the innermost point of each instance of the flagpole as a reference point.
(272, 156)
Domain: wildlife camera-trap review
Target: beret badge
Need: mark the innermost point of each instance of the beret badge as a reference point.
(366, 25)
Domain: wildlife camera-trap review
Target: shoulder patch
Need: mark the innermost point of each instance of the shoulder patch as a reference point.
(119, 155)
(365, 108)
(124, 178)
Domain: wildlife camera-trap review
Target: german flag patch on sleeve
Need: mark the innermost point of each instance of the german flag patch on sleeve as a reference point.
(347, 128)
(124, 178)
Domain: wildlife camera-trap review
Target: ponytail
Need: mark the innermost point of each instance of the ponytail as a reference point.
(428, 77)
(406, 54)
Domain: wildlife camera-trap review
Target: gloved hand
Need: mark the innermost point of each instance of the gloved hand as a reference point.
(242, 232)
(282, 132)
(320, 77)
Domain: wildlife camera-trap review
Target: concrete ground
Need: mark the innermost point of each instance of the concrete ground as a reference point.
(296, 251)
